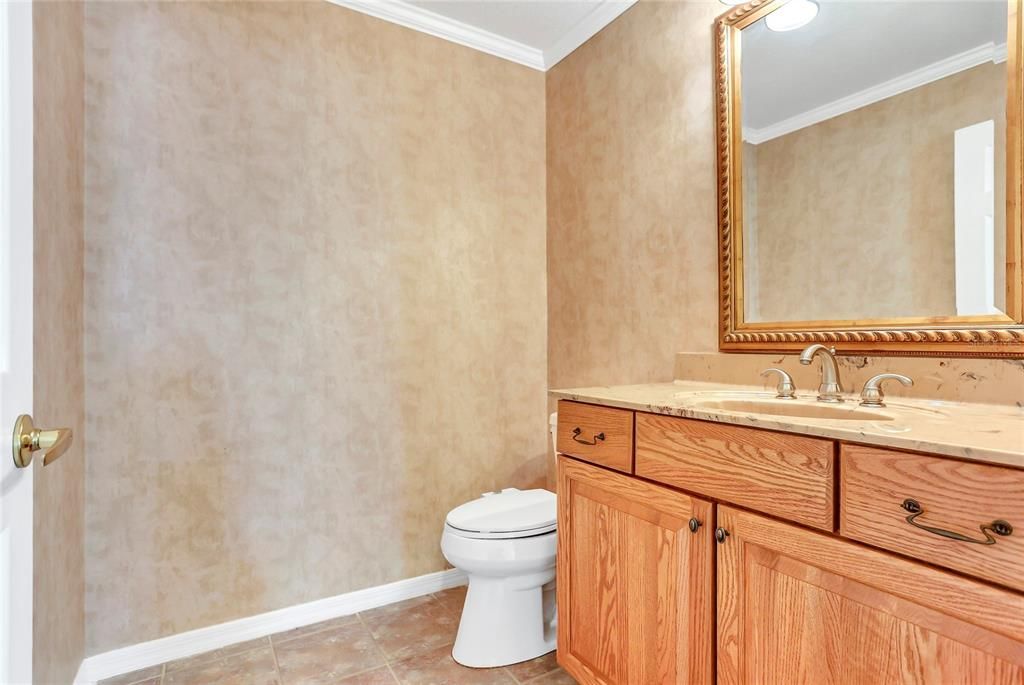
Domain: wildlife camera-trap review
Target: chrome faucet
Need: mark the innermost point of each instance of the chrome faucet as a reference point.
(830, 390)
(785, 390)
(872, 395)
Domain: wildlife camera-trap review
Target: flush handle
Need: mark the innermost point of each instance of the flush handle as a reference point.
(999, 526)
(583, 441)
(28, 439)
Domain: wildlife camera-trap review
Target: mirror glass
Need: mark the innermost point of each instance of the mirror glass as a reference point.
(873, 160)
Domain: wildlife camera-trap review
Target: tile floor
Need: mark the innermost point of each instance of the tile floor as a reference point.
(408, 643)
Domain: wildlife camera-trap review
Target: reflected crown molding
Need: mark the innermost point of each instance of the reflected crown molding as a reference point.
(989, 52)
(440, 26)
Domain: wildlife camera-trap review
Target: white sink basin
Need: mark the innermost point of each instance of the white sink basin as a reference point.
(805, 406)
(846, 411)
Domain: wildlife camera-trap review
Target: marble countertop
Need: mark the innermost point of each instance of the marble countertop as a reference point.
(987, 433)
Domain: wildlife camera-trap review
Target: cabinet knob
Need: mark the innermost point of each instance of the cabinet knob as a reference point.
(721, 534)
(694, 525)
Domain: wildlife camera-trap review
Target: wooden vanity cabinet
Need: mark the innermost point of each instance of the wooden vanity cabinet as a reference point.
(795, 606)
(635, 589)
(599, 435)
(790, 476)
(874, 595)
(959, 508)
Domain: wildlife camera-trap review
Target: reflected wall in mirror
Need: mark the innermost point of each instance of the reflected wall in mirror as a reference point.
(865, 157)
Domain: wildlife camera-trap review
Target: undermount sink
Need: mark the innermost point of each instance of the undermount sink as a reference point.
(818, 410)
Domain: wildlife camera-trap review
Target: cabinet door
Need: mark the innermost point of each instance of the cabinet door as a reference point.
(635, 585)
(796, 606)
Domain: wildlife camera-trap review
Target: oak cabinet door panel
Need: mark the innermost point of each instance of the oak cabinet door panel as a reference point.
(796, 606)
(635, 585)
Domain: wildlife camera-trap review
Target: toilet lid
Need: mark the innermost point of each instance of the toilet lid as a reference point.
(509, 511)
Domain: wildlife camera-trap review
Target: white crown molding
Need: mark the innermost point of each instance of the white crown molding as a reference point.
(603, 14)
(988, 52)
(440, 26)
(425, 21)
(162, 650)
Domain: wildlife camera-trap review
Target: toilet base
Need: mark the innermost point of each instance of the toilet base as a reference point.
(507, 620)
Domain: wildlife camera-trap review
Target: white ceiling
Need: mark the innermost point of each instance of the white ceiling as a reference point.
(537, 24)
(852, 46)
(537, 33)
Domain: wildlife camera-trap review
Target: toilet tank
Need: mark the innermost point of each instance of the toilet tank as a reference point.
(553, 422)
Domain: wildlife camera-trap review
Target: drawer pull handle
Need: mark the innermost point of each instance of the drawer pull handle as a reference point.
(999, 526)
(583, 441)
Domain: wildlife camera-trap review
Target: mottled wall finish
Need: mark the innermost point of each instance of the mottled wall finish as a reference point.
(858, 209)
(315, 304)
(632, 228)
(59, 383)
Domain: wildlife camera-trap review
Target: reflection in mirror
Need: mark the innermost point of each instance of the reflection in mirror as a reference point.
(873, 162)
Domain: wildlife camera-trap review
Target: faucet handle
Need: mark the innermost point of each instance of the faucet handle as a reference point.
(786, 389)
(872, 395)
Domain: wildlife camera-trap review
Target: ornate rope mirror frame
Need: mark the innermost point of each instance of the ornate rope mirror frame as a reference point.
(999, 335)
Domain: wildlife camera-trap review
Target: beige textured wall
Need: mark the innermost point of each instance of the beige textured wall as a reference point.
(58, 602)
(632, 228)
(315, 304)
(858, 209)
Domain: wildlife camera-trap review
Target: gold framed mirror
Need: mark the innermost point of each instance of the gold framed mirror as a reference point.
(870, 177)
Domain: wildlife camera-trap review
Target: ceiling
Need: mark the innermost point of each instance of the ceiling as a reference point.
(536, 33)
(861, 49)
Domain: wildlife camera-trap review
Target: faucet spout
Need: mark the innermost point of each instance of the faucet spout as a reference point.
(830, 389)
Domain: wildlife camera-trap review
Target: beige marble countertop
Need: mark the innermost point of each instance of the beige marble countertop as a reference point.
(978, 432)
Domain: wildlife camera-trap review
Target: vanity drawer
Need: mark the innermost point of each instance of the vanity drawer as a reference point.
(600, 435)
(955, 497)
(790, 476)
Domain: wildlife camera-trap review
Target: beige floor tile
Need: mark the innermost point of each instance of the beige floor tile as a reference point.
(437, 667)
(278, 638)
(452, 598)
(528, 670)
(378, 676)
(418, 628)
(214, 655)
(255, 667)
(558, 677)
(141, 676)
(328, 656)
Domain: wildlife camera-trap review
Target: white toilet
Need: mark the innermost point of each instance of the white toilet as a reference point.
(505, 542)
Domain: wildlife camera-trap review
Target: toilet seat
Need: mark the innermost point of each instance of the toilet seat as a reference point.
(509, 514)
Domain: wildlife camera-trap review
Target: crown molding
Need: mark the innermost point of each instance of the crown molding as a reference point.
(603, 14)
(425, 21)
(440, 26)
(989, 52)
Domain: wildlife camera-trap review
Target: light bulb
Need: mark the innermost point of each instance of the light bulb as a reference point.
(792, 15)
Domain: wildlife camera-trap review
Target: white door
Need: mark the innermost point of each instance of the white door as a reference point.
(15, 337)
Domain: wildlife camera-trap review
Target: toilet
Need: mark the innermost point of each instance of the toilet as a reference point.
(505, 542)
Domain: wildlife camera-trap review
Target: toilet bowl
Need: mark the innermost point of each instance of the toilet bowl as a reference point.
(506, 543)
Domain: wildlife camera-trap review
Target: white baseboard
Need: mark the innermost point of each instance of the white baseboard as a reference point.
(145, 654)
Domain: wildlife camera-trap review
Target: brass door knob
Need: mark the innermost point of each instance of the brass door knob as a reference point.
(28, 439)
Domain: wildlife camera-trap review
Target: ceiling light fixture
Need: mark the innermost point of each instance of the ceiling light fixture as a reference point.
(792, 15)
